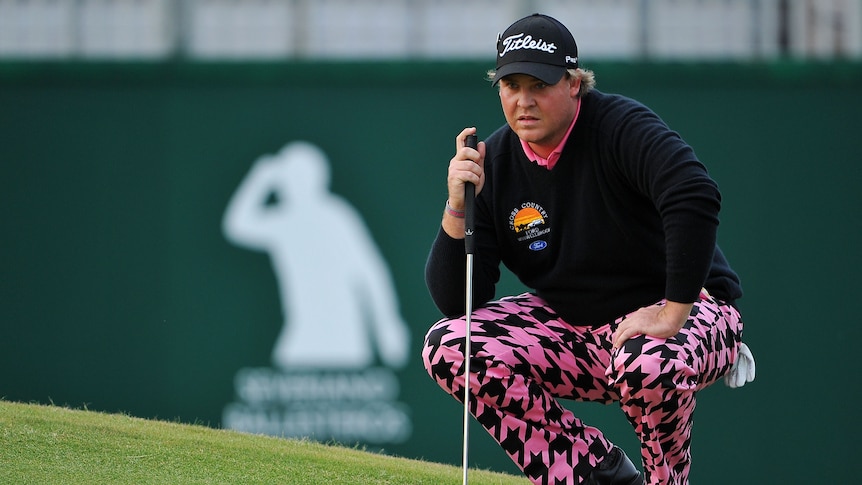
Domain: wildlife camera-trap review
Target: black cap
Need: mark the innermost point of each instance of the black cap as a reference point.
(539, 46)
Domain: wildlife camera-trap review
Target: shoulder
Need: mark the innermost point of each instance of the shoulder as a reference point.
(618, 119)
(607, 108)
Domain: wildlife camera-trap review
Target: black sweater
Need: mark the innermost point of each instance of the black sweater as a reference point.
(626, 217)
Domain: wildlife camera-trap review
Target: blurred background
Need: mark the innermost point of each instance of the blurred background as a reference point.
(128, 127)
(741, 30)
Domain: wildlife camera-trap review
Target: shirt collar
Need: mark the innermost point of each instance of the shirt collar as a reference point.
(555, 154)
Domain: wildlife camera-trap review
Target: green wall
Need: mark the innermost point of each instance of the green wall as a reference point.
(119, 292)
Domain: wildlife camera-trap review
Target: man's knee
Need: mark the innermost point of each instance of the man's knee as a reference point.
(442, 352)
(646, 365)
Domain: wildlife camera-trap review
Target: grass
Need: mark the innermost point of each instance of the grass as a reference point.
(56, 445)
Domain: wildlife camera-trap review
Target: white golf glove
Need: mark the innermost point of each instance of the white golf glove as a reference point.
(742, 370)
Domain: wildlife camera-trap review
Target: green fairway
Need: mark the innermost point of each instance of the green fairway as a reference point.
(54, 445)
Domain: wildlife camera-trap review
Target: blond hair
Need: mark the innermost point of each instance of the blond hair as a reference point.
(587, 77)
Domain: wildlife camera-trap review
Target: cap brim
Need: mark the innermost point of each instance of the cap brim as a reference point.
(546, 73)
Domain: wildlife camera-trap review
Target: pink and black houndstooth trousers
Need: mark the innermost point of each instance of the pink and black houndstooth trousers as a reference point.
(525, 358)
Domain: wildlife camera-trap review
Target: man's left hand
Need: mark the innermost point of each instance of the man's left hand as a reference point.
(662, 321)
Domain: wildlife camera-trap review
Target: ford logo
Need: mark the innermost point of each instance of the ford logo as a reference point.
(538, 245)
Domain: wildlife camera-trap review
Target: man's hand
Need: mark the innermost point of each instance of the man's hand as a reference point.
(662, 321)
(468, 165)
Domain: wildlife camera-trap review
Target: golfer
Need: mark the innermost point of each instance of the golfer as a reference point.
(594, 203)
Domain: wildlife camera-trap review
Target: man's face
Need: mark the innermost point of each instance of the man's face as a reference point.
(537, 112)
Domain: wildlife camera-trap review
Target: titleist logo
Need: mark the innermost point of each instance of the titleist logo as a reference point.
(521, 41)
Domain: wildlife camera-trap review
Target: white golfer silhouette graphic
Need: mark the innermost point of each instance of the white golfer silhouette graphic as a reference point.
(337, 296)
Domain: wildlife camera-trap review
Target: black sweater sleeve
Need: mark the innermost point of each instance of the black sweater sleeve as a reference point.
(446, 276)
(666, 170)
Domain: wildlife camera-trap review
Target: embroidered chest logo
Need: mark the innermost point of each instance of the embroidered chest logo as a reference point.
(530, 221)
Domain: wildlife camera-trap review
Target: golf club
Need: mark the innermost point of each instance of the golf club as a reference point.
(469, 247)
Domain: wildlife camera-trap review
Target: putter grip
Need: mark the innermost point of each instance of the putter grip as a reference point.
(470, 204)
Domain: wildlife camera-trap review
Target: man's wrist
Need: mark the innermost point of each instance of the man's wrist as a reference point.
(453, 212)
(677, 312)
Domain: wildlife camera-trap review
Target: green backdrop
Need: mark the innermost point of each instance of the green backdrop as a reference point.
(119, 292)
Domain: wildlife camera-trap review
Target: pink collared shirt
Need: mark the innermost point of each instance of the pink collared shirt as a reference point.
(554, 155)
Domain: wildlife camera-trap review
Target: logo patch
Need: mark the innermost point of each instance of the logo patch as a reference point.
(538, 245)
(526, 41)
(529, 221)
